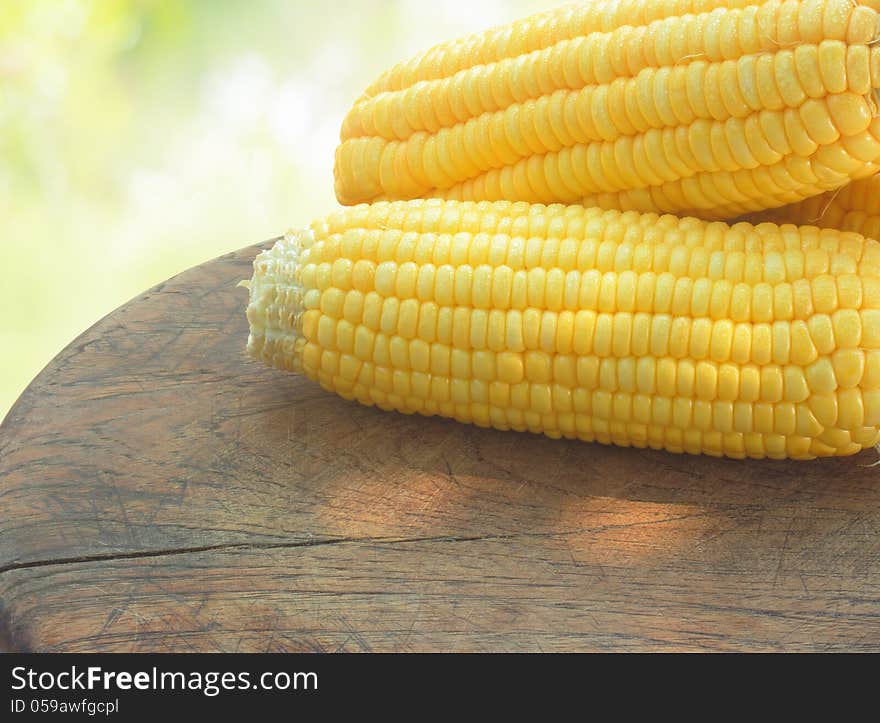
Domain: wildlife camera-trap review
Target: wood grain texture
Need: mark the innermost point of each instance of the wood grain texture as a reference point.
(160, 491)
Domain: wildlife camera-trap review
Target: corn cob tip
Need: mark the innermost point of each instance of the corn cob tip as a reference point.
(275, 303)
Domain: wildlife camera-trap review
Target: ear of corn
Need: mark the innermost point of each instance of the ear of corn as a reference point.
(713, 108)
(642, 330)
(855, 207)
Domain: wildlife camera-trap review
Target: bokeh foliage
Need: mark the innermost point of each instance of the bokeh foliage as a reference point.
(140, 137)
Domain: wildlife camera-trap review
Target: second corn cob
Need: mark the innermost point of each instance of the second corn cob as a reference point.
(711, 108)
(758, 341)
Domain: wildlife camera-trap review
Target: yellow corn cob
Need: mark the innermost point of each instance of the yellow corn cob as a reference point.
(855, 207)
(642, 330)
(712, 108)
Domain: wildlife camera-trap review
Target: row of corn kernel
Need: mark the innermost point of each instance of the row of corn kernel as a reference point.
(735, 256)
(487, 287)
(409, 232)
(535, 33)
(697, 416)
(778, 253)
(864, 146)
(588, 330)
(603, 333)
(850, 410)
(843, 369)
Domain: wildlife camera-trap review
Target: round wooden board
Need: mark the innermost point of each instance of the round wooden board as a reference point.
(163, 492)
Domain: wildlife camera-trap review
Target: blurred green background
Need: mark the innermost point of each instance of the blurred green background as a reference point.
(141, 137)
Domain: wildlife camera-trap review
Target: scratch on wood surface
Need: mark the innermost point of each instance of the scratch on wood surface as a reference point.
(783, 549)
(450, 474)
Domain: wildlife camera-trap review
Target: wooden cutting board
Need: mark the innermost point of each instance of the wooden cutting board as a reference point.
(160, 491)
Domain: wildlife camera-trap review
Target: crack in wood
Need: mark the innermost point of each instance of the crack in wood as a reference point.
(111, 557)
